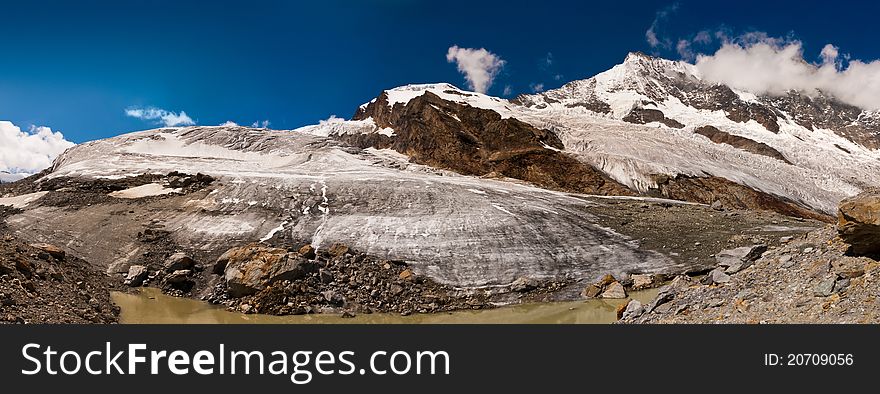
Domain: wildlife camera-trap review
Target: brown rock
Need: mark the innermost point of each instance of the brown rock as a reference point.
(406, 274)
(252, 268)
(178, 261)
(338, 249)
(642, 281)
(858, 222)
(848, 268)
(52, 250)
(591, 291)
(614, 291)
(605, 281)
(307, 251)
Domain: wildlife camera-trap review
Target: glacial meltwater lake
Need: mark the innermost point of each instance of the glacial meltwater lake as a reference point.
(150, 306)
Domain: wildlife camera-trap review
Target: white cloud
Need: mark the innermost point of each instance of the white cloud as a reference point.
(829, 54)
(264, 124)
(332, 119)
(684, 50)
(161, 116)
(479, 66)
(703, 37)
(229, 123)
(767, 65)
(651, 36)
(28, 152)
(508, 90)
(537, 87)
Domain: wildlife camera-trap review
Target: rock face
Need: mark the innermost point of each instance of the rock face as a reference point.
(858, 222)
(748, 145)
(252, 268)
(475, 141)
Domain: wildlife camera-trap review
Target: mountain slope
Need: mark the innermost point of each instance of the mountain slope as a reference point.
(650, 122)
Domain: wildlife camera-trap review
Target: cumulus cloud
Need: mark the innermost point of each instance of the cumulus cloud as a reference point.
(766, 65)
(479, 66)
(537, 87)
(160, 116)
(26, 152)
(829, 54)
(261, 124)
(652, 35)
(228, 123)
(508, 90)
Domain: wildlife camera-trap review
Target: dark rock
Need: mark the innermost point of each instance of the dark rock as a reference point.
(307, 251)
(178, 276)
(179, 261)
(858, 222)
(52, 250)
(326, 276)
(825, 288)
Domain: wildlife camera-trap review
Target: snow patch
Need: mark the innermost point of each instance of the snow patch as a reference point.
(148, 190)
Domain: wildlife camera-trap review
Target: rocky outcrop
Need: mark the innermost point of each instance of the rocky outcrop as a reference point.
(807, 279)
(348, 281)
(748, 145)
(474, 141)
(729, 195)
(645, 116)
(858, 222)
(254, 267)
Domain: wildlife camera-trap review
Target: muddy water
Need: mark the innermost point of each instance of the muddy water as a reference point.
(151, 306)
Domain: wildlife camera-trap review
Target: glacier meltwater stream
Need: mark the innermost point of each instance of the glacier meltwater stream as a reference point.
(150, 306)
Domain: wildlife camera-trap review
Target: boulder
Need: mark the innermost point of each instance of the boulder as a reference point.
(219, 267)
(642, 281)
(591, 291)
(858, 222)
(718, 276)
(120, 266)
(614, 291)
(178, 261)
(825, 287)
(740, 258)
(606, 280)
(178, 276)
(50, 249)
(633, 310)
(338, 249)
(252, 268)
(136, 275)
(307, 251)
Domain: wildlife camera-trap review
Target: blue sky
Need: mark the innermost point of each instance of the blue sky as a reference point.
(77, 67)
